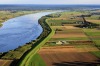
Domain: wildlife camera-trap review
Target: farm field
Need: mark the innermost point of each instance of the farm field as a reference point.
(5, 62)
(72, 45)
(67, 56)
(93, 34)
(68, 32)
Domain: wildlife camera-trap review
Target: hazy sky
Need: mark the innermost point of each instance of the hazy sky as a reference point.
(49, 1)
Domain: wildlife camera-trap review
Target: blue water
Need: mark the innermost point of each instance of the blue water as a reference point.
(20, 30)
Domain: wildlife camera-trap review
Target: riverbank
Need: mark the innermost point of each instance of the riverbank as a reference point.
(26, 59)
(23, 29)
(5, 15)
(19, 52)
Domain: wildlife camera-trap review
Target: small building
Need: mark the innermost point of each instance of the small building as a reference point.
(62, 42)
(59, 42)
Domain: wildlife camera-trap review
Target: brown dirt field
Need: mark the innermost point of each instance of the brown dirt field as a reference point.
(74, 30)
(5, 62)
(94, 21)
(69, 35)
(67, 56)
(1, 62)
(87, 49)
(59, 27)
(66, 27)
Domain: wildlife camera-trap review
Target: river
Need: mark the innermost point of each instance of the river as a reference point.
(20, 30)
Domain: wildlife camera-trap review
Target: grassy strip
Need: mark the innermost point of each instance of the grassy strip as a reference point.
(36, 49)
(96, 53)
(36, 60)
(27, 58)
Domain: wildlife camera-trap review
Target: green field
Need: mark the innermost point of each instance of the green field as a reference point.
(96, 53)
(36, 60)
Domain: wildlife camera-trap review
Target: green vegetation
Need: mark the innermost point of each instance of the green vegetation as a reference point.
(93, 33)
(17, 53)
(54, 15)
(60, 22)
(90, 30)
(84, 46)
(96, 53)
(27, 57)
(36, 60)
(97, 43)
(54, 24)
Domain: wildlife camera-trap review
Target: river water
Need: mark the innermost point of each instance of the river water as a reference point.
(20, 30)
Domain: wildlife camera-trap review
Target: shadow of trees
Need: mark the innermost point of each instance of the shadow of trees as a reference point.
(77, 63)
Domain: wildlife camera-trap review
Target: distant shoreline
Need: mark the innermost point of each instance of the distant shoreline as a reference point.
(47, 6)
(53, 4)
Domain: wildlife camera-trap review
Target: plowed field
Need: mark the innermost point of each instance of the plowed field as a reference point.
(67, 56)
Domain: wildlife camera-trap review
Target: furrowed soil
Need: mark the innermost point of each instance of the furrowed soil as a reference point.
(67, 56)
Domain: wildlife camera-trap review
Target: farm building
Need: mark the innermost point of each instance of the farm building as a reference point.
(62, 42)
(59, 42)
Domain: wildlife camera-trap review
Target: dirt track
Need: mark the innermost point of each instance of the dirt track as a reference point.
(67, 56)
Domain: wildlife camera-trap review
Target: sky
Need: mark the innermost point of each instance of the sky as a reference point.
(49, 1)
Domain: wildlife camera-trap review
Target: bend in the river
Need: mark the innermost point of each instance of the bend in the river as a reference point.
(20, 30)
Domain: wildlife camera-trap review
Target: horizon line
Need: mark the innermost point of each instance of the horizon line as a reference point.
(49, 4)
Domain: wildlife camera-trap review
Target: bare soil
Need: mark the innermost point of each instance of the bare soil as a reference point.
(69, 35)
(5, 62)
(67, 56)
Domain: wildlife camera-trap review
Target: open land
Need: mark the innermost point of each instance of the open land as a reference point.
(76, 41)
(72, 45)
(67, 55)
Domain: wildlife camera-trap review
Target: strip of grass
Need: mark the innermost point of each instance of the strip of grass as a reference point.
(91, 30)
(84, 46)
(96, 53)
(93, 33)
(36, 60)
(31, 54)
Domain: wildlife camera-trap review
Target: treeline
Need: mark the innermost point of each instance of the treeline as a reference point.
(46, 28)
